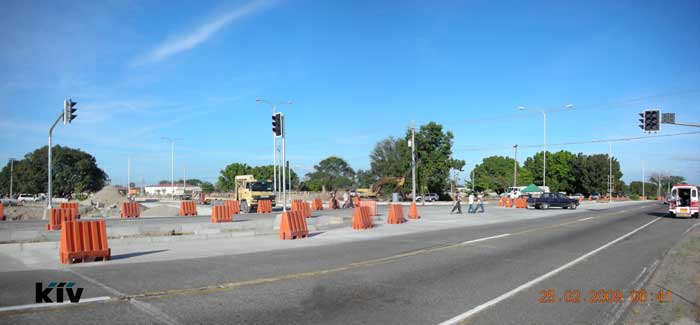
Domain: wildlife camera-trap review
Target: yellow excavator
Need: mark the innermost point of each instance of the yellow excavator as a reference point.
(375, 190)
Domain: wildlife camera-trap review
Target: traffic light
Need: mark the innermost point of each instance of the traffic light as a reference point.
(651, 120)
(68, 110)
(277, 127)
(642, 125)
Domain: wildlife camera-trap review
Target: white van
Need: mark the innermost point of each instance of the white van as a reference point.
(684, 201)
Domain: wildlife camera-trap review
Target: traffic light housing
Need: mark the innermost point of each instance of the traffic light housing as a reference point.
(277, 121)
(68, 111)
(651, 120)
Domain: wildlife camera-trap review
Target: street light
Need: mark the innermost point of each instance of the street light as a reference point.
(544, 115)
(12, 166)
(172, 164)
(274, 142)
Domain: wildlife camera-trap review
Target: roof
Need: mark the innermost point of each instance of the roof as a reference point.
(532, 188)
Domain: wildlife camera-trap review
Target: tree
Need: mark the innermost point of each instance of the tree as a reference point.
(560, 177)
(496, 173)
(391, 157)
(73, 170)
(207, 187)
(262, 173)
(591, 173)
(635, 188)
(364, 178)
(667, 181)
(332, 173)
(433, 158)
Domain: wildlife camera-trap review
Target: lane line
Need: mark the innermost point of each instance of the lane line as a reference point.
(618, 314)
(459, 318)
(691, 228)
(53, 305)
(584, 219)
(483, 239)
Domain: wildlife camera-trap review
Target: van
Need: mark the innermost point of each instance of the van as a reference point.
(684, 201)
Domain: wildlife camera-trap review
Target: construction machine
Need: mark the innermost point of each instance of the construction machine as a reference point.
(387, 184)
(249, 191)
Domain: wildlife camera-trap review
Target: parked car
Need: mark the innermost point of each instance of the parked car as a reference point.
(595, 196)
(26, 198)
(430, 197)
(548, 200)
(576, 196)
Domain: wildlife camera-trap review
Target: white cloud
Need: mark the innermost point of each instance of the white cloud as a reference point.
(202, 33)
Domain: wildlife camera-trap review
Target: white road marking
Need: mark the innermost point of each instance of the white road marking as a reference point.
(621, 310)
(584, 219)
(492, 302)
(52, 305)
(483, 239)
(691, 228)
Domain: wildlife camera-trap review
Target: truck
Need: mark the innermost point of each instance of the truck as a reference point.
(684, 201)
(548, 200)
(249, 191)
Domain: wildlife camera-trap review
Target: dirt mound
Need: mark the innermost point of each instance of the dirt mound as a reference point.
(161, 211)
(26, 212)
(108, 196)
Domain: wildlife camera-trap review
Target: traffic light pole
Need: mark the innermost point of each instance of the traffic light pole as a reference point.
(49, 190)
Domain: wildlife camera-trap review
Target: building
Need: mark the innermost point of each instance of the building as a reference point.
(166, 190)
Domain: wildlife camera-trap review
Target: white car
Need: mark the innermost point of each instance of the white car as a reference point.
(26, 198)
(430, 197)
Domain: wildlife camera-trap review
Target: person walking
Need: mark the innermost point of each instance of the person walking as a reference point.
(480, 203)
(472, 208)
(458, 204)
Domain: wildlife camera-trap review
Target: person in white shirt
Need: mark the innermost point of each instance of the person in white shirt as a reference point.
(480, 203)
(472, 208)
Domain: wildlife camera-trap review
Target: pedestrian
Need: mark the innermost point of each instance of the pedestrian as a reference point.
(480, 202)
(458, 204)
(472, 208)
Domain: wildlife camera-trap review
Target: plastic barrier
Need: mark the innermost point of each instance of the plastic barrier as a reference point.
(301, 206)
(356, 201)
(131, 210)
(2, 212)
(660, 198)
(317, 204)
(233, 205)
(508, 203)
(71, 205)
(293, 226)
(372, 205)
(84, 241)
(395, 214)
(361, 218)
(264, 206)
(333, 204)
(58, 216)
(188, 208)
(221, 213)
(501, 201)
(413, 212)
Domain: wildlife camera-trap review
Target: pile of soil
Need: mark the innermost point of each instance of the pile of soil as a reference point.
(108, 197)
(25, 212)
(161, 211)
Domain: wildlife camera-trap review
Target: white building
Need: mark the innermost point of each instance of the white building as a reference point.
(164, 190)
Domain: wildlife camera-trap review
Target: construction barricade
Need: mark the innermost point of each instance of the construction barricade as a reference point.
(301, 206)
(372, 205)
(71, 205)
(317, 204)
(356, 201)
(264, 206)
(233, 205)
(57, 216)
(2, 211)
(508, 203)
(501, 201)
(130, 210)
(413, 212)
(221, 213)
(395, 214)
(188, 208)
(293, 226)
(361, 218)
(84, 241)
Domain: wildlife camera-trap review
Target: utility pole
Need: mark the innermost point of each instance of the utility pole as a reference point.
(172, 165)
(12, 166)
(473, 177)
(289, 171)
(413, 163)
(658, 186)
(610, 173)
(184, 180)
(515, 167)
(284, 158)
(67, 116)
(128, 175)
(643, 180)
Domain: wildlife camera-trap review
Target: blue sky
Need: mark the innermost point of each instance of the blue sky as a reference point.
(357, 71)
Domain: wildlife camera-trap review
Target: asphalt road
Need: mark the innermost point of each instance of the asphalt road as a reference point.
(482, 275)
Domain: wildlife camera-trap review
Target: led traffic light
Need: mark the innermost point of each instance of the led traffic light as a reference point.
(277, 121)
(651, 120)
(68, 110)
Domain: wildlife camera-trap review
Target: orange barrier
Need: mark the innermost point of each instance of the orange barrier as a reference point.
(361, 218)
(221, 213)
(660, 198)
(2, 212)
(293, 226)
(333, 204)
(301, 206)
(372, 205)
(508, 203)
(188, 208)
(130, 210)
(580, 199)
(317, 204)
(413, 212)
(264, 206)
(58, 216)
(501, 201)
(395, 214)
(84, 241)
(356, 201)
(71, 205)
(233, 205)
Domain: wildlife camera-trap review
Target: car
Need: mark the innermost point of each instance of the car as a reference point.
(576, 196)
(430, 197)
(548, 200)
(594, 196)
(26, 198)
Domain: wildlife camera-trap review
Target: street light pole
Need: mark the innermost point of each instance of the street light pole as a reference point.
(172, 165)
(413, 163)
(515, 167)
(48, 192)
(128, 175)
(12, 166)
(275, 188)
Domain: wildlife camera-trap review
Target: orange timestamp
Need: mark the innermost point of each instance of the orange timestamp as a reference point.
(574, 296)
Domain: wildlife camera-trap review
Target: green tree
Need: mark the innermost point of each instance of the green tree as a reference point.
(560, 176)
(635, 188)
(364, 178)
(496, 173)
(391, 157)
(433, 158)
(667, 181)
(333, 173)
(207, 187)
(228, 174)
(591, 173)
(73, 170)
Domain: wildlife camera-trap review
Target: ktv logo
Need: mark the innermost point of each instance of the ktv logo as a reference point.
(43, 294)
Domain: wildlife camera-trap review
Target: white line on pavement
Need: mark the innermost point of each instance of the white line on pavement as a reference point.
(477, 309)
(691, 228)
(51, 305)
(584, 219)
(485, 238)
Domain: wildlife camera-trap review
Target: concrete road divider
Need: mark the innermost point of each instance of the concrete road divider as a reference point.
(293, 226)
(188, 208)
(84, 241)
(131, 210)
(301, 206)
(395, 214)
(413, 212)
(264, 206)
(361, 218)
(317, 204)
(233, 205)
(372, 205)
(71, 205)
(221, 213)
(57, 216)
